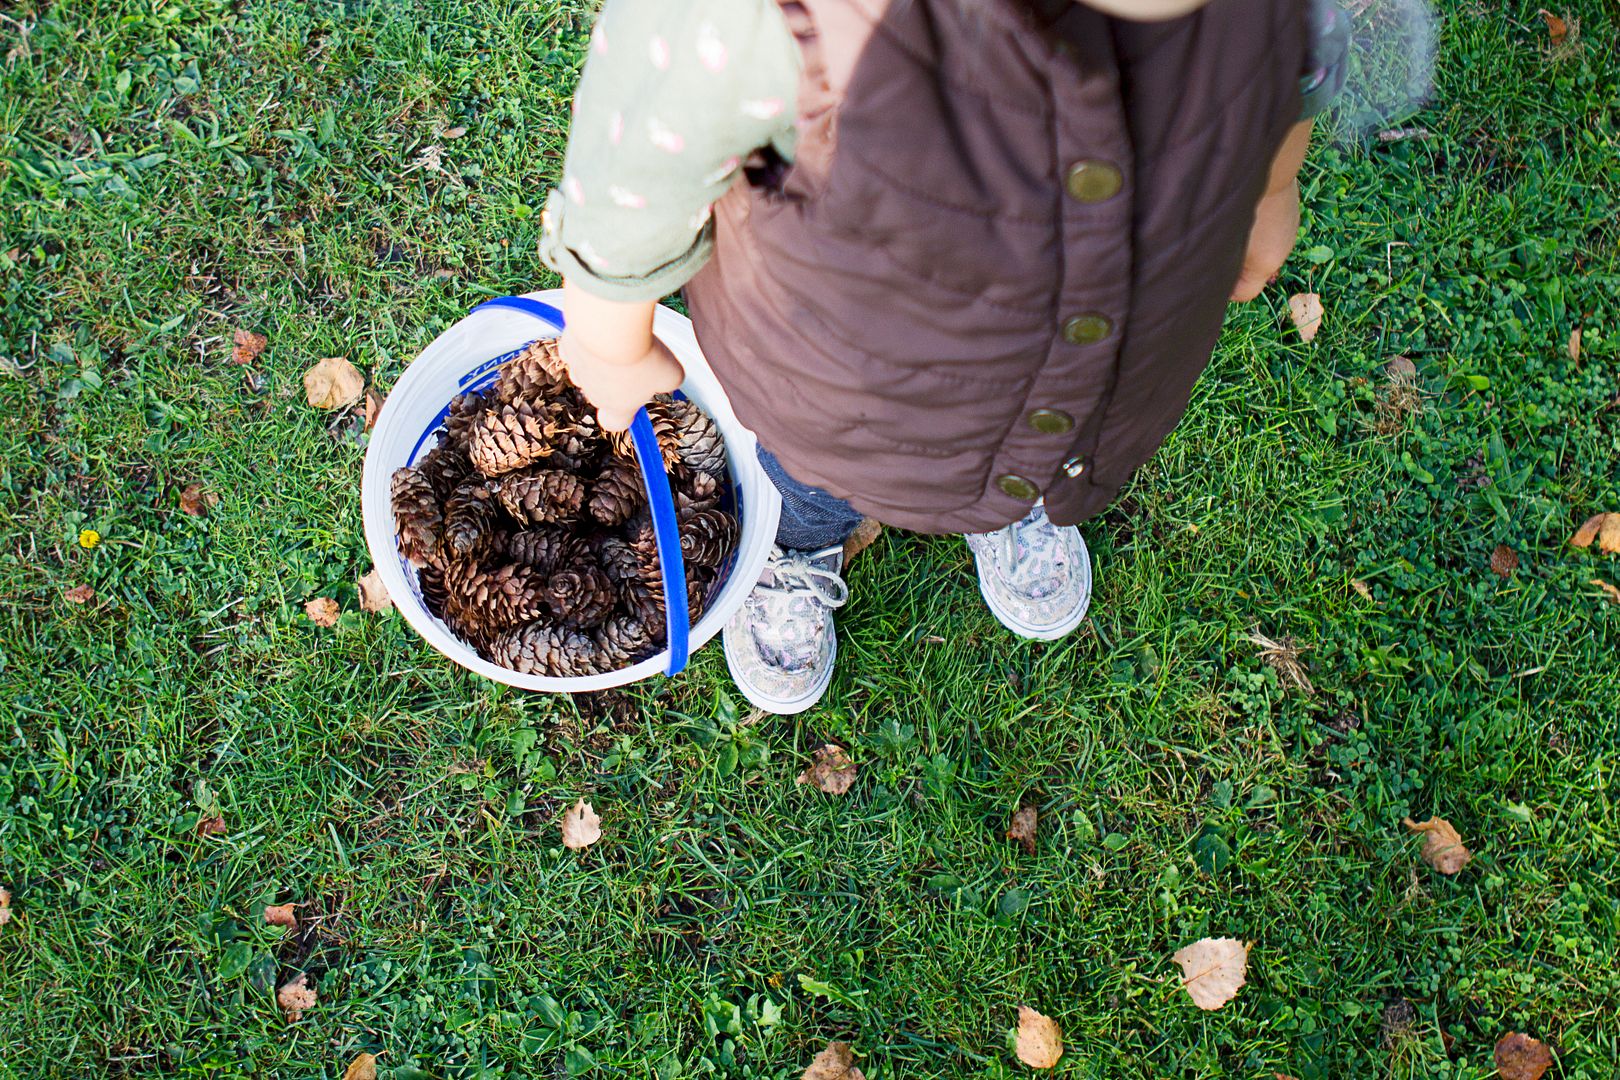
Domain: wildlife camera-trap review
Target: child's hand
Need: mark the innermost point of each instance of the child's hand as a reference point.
(1276, 225)
(615, 386)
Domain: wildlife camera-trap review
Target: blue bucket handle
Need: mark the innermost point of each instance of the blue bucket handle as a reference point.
(662, 504)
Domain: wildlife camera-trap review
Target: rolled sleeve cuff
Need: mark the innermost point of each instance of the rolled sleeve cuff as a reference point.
(582, 267)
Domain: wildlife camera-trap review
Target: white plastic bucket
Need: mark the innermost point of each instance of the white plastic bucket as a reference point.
(467, 357)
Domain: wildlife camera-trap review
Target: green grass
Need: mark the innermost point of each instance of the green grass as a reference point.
(171, 171)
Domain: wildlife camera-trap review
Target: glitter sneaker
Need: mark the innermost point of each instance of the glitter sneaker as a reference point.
(780, 645)
(1035, 576)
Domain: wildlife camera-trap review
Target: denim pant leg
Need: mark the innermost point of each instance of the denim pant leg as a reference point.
(811, 518)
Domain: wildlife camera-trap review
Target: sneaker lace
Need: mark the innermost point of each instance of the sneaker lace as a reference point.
(793, 574)
(1012, 534)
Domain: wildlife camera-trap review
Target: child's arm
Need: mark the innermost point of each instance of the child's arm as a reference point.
(1276, 218)
(613, 357)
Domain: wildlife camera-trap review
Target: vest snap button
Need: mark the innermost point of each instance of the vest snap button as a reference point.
(1018, 487)
(1051, 421)
(1093, 181)
(1087, 329)
(1074, 467)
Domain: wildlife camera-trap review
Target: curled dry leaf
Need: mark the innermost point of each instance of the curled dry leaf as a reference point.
(333, 383)
(211, 826)
(322, 611)
(1024, 824)
(374, 404)
(1608, 590)
(1575, 344)
(1442, 847)
(281, 915)
(5, 906)
(1305, 309)
(836, 1062)
(830, 770)
(1557, 29)
(295, 997)
(374, 594)
(246, 346)
(1040, 1040)
(1362, 588)
(580, 826)
(864, 536)
(1588, 531)
(195, 501)
(79, 594)
(1212, 970)
(1519, 1057)
(1504, 560)
(363, 1067)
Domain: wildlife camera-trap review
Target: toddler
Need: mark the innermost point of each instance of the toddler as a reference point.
(956, 262)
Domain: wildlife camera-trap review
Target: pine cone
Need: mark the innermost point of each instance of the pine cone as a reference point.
(463, 415)
(697, 491)
(622, 641)
(469, 521)
(544, 549)
(646, 603)
(579, 439)
(463, 621)
(617, 493)
(496, 600)
(445, 467)
(511, 436)
(542, 497)
(699, 590)
(617, 559)
(581, 596)
(537, 371)
(540, 648)
(430, 579)
(417, 516)
(698, 443)
(707, 537)
(664, 427)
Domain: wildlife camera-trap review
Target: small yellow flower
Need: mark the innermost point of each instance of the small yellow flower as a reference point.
(89, 538)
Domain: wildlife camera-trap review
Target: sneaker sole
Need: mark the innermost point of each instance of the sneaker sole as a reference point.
(1057, 630)
(778, 706)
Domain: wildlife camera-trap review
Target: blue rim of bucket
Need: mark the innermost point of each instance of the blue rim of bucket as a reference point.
(659, 500)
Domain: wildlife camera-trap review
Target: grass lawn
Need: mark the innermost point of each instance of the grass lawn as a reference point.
(348, 178)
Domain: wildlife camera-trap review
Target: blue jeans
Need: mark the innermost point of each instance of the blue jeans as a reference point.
(811, 518)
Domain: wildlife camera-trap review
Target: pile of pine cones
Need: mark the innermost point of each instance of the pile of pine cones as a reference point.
(529, 527)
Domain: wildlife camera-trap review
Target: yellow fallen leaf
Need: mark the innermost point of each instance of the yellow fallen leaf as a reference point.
(1362, 588)
(363, 1067)
(374, 594)
(581, 827)
(1442, 846)
(836, 1062)
(1519, 1057)
(333, 383)
(1604, 528)
(281, 915)
(1608, 590)
(830, 770)
(374, 404)
(322, 611)
(1305, 309)
(1024, 824)
(295, 997)
(1575, 344)
(1040, 1040)
(5, 906)
(1212, 970)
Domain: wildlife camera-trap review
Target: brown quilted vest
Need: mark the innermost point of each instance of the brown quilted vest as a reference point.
(1002, 253)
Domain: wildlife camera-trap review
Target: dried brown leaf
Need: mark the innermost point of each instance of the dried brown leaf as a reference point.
(1608, 540)
(79, 594)
(1401, 369)
(1024, 824)
(295, 997)
(1283, 658)
(456, 132)
(1305, 309)
(581, 827)
(864, 536)
(246, 346)
(1557, 29)
(281, 915)
(374, 404)
(333, 384)
(374, 594)
(1575, 344)
(195, 501)
(1442, 846)
(1362, 588)
(1040, 1040)
(322, 611)
(830, 770)
(1519, 1057)
(5, 906)
(363, 1067)
(835, 1062)
(211, 826)
(1588, 531)
(1608, 590)
(1504, 560)
(1212, 970)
